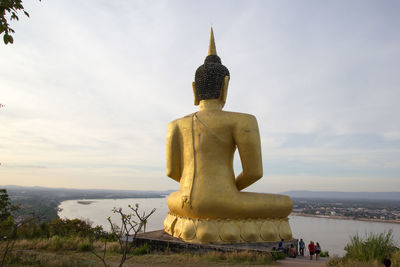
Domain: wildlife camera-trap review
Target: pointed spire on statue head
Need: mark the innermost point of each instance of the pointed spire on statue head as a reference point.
(211, 75)
(212, 50)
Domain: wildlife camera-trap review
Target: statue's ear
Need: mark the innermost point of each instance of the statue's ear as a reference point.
(224, 89)
(196, 98)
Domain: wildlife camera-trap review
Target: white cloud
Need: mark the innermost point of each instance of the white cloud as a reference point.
(392, 136)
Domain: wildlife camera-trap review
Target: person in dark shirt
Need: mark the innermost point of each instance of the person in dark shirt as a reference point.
(301, 247)
(317, 251)
(280, 244)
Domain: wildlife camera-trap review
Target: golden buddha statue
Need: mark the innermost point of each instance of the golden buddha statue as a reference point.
(209, 206)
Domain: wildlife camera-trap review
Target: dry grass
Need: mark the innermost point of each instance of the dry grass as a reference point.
(208, 259)
(58, 251)
(40, 258)
(73, 259)
(87, 259)
(61, 244)
(351, 263)
(246, 257)
(396, 258)
(52, 244)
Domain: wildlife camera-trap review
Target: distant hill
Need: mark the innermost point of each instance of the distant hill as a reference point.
(344, 195)
(68, 193)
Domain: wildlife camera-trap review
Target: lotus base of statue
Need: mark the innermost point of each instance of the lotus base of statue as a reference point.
(227, 231)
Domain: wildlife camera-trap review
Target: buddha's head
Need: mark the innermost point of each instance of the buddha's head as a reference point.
(212, 78)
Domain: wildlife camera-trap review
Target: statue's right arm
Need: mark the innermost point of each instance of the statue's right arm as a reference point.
(247, 138)
(173, 152)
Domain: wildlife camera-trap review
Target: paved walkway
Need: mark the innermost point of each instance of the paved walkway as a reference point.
(302, 262)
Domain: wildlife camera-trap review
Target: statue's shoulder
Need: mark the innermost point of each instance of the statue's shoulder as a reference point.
(176, 122)
(241, 120)
(240, 116)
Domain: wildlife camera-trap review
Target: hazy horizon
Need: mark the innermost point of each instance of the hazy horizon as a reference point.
(89, 87)
(150, 190)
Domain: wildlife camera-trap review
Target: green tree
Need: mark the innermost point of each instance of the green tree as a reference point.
(8, 229)
(9, 11)
(5, 205)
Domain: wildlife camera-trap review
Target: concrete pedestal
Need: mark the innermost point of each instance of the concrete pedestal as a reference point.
(160, 240)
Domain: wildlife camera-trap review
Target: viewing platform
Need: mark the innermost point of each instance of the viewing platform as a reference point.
(161, 241)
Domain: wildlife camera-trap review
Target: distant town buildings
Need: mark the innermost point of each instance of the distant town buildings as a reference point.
(360, 210)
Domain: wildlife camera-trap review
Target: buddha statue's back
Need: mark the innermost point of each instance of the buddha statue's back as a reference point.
(209, 206)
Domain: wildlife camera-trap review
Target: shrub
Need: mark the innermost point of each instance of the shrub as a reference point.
(334, 261)
(324, 254)
(142, 250)
(55, 243)
(278, 255)
(374, 247)
(114, 247)
(30, 230)
(41, 243)
(75, 227)
(85, 245)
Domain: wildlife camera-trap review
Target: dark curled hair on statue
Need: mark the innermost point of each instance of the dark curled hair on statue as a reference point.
(209, 77)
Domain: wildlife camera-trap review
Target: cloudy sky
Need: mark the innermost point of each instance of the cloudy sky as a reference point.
(88, 89)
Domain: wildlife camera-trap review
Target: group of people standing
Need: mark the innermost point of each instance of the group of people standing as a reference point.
(312, 248)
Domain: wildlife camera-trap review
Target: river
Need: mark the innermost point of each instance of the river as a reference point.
(332, 234)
